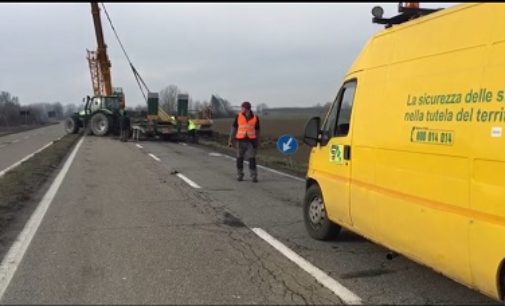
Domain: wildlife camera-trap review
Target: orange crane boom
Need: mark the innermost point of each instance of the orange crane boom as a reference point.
(99, 62)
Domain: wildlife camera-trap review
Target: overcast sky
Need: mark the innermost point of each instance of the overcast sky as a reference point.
(284, 54)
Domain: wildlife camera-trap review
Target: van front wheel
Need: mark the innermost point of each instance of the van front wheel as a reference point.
(314, 215)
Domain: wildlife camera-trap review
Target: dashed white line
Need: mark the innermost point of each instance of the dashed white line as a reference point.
(154, 157)
(2, 173)
(13, 258)
(187, 180)
(342, 292)
(139, 146)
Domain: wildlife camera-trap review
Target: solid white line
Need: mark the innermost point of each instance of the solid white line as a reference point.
(139, 146)
(342, 292)
(2, 173)
(13, 258)
(269, 169)
(154, 157)
(281, 173)
(187, 180)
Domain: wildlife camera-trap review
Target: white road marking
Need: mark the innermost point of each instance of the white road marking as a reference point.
(266, 168)
(15, 255)
(2, 173)
(183, 143)
(139, 146)
(154, 157)
(215, 154)
(187, 180)
(342, 292)
(281, 173)
(26, 137)
(15, 140)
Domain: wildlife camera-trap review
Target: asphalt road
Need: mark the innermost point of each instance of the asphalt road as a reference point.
(124, 228)
(14, 147)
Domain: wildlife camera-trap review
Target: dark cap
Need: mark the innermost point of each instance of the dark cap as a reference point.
(246, 105)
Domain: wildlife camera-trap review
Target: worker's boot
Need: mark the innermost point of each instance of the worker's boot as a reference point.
(240, 169)
(253, 170)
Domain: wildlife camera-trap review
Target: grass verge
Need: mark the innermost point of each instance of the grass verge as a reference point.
(19, 186)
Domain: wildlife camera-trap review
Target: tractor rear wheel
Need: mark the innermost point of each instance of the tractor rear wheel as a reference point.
(100, 124)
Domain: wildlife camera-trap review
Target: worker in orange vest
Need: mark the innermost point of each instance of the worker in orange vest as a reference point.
(245, 131)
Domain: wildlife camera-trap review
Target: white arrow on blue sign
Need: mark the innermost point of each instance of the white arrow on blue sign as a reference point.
(287, 144)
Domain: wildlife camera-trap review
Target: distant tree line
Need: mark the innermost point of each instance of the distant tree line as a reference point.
(219, 107)
(12, 113)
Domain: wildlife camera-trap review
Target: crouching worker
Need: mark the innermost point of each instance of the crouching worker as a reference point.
(245, 131)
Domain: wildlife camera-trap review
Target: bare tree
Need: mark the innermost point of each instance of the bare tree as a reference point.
(220, 107)
(168, 98)
(197, 105)
(9, 109)
(58, 110)
(70, 109)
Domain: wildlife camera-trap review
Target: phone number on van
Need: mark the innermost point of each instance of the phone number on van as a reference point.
(430, 136)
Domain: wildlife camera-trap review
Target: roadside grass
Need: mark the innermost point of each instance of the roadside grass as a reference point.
(19, 186)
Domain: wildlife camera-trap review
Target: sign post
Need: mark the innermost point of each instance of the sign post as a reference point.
(287, 145)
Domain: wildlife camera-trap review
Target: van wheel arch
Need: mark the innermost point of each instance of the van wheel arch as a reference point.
(501, 281)
(310, 182)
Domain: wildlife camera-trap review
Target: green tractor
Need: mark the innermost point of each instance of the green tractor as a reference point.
(100, 115)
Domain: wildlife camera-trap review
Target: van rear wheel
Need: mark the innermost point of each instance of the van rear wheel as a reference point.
(315, 218)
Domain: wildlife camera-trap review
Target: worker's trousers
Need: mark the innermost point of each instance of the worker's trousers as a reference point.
(124, 135)
(246, 149)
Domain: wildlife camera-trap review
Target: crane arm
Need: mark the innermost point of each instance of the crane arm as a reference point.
(102, 59)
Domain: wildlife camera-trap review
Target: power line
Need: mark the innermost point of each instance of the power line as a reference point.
(137, 76)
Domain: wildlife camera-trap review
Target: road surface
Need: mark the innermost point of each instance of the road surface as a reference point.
(14, 147)
(168, 223)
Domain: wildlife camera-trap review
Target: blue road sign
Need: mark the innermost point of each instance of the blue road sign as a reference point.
(287, 144)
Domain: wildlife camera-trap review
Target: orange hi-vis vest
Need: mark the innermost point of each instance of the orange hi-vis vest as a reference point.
(246, 128)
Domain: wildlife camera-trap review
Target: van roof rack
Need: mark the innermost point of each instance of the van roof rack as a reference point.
(407, 10)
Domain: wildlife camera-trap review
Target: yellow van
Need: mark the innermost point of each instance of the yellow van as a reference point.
(412, 153)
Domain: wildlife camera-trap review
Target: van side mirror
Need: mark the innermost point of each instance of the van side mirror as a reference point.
(311, 134)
